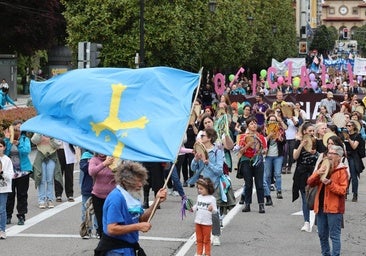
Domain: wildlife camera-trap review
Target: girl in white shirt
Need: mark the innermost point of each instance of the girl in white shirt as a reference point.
(6, 176)
(204, 208)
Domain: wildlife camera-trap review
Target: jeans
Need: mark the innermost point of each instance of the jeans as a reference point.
(354, 178)
(305, 209)
(46, 187)
(3, 199)
(329, 226)
(272, 162)
(250, 172)
(85, 198)
(177, 184)
(216, 229)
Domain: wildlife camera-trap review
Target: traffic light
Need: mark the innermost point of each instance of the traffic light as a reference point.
(345, 33)
(95, 54)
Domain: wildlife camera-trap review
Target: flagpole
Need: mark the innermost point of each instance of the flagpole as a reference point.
(157, 201)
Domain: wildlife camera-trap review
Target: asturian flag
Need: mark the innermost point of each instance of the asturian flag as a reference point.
(132, 114)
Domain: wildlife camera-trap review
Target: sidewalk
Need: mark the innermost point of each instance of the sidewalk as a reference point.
(21, 101)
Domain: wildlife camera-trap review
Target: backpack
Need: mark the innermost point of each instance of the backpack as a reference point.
(87, 225)
(310, 193)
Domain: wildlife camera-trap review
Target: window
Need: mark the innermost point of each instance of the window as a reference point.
(331, 10)
(355, 10)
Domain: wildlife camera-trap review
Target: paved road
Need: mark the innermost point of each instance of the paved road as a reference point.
(277, 232)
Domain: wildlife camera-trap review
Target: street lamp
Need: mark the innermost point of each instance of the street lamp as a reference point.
(212, 5)
(274, 29)
(142, 35)
(250, 20)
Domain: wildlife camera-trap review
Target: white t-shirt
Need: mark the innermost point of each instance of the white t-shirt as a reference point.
(203, 215)
(8, 173)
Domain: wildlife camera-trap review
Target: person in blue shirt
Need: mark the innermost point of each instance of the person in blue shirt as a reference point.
(123, 215)
(18, 148)
(5, 98)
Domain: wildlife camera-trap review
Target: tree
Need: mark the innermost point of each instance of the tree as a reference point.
(324, 40)
(360, 36)
(184, 34)
(27, 26)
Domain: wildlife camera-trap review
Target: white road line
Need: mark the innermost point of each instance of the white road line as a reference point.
(166, 239)
(16, 229)
(187, 245)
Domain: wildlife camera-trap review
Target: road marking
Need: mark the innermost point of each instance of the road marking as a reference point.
(16, 229)
(312, 217)
(166, 239)
(227, 219)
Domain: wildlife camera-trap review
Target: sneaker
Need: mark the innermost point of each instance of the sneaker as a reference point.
(170, 191)
(216, 240)
(306, 227)
(21, 221)
(50, 204)
(175, 193)
(2, 235)
(185, 184)
(8, 221)
(70, 199)
(58, 199)
(42, 205)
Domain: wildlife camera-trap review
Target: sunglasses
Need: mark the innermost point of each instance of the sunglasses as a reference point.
(203, 135)
(349, 125)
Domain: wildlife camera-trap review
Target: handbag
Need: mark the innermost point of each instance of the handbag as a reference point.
(310, 193)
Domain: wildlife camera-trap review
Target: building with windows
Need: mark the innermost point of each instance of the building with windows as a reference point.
(344, 15)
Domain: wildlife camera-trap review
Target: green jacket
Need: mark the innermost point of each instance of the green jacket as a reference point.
(37, 167)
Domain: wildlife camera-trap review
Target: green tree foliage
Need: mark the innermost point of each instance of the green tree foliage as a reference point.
(324, 40)
(360, 36)
(27, 26)
(185, 34)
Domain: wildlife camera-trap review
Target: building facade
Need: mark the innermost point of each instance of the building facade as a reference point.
(344, 15)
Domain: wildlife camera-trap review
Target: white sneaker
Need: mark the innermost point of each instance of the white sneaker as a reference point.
(170, 191)
(306, 227)
(42, 205)
(2, 235)
(50, 204)
(216, 240)
(175, 193)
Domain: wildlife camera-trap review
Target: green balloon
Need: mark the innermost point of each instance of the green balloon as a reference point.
(231, 77)
(296, 82)
(263, 73)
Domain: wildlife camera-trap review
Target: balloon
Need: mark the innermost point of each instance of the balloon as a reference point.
(286, 73)
(312, 77)
(326, 77)
(359, 79)
(314, 85)
(296, 82)
(280, 80)
(231, 77)
(263, 73)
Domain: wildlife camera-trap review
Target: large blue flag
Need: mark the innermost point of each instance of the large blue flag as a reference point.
(133, 114)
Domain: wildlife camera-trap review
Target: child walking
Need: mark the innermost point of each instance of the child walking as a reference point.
(204, 208)
(6, 176)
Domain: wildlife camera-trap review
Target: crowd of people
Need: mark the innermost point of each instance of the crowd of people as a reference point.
(272, 137)
(267, 140)
(46, 170)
